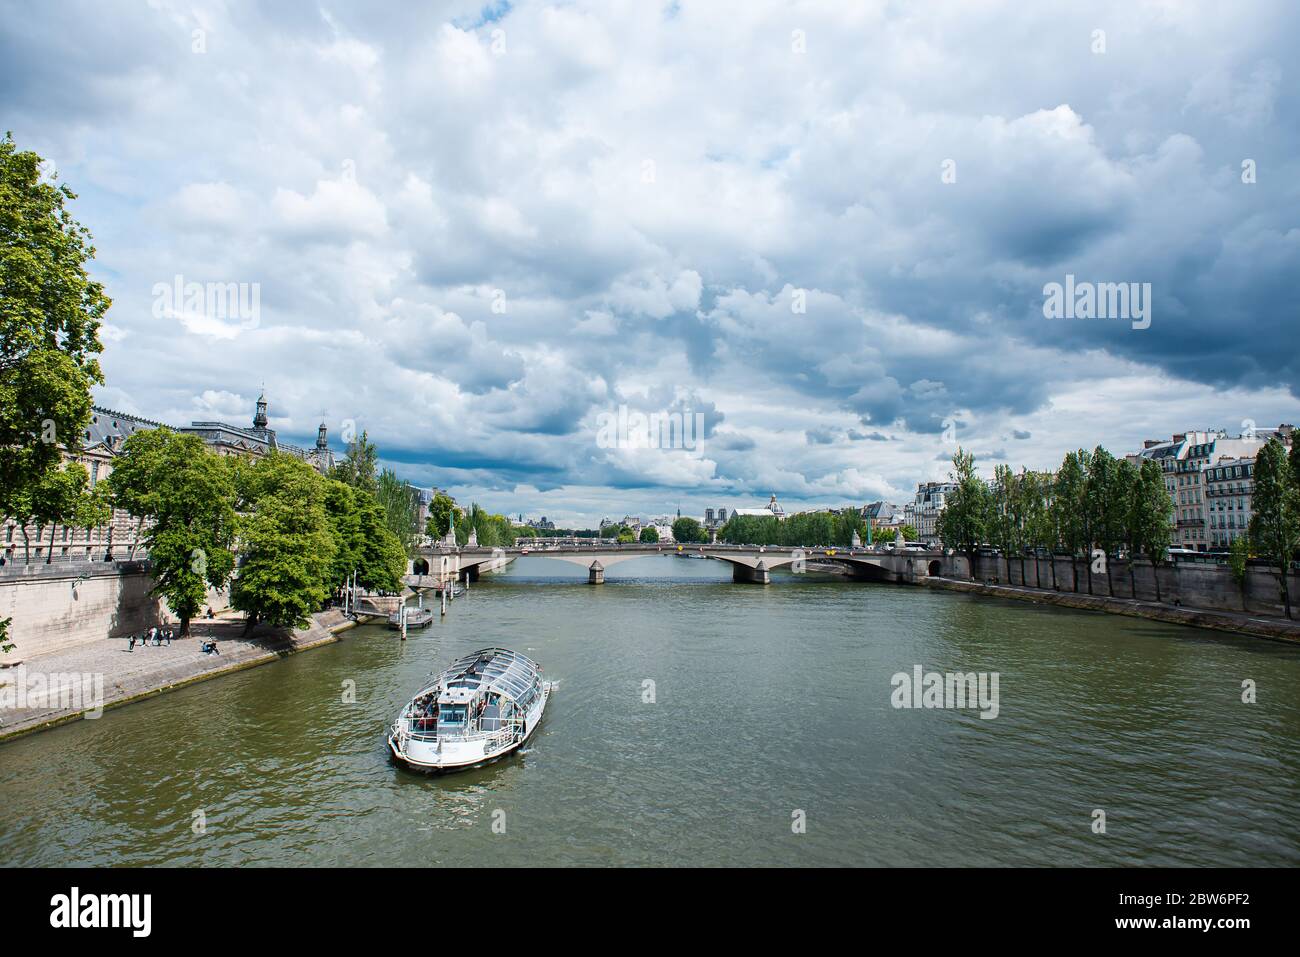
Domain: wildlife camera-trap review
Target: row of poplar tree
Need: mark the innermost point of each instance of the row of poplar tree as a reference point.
(1099, 505)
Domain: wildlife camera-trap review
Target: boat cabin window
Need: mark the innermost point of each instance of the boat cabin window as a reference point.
(451, 717)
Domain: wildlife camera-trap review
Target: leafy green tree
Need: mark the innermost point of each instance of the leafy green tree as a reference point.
(847, 522)
(1098, 494)
(741, 530)
(1239, 563)
(186, 495)
(625, 536)
(1151, 517)
(686, 529)
(1119, 514)
(381, 559)
(60, 496)
(286, 547)
(964, 522)
(359, 469)
(343, 508)
(650, 534)
(440, 510)
(1040, 530)
(50, 311)
(1005, 528)
(401, 505)
(1275, 524)
(1067, 508)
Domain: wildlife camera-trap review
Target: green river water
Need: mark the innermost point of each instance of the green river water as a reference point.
(771, 705)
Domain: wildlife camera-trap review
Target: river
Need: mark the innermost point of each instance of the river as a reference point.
(698, 721)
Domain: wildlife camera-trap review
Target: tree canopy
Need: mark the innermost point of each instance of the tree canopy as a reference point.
(50, 311)
(186, 495)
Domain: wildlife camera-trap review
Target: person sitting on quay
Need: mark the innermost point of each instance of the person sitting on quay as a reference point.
(209, 648)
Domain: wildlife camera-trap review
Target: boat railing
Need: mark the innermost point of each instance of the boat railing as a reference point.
(419, 727)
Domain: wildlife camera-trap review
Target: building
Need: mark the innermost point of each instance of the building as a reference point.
(1184, 460)
(715, 518)
(257, 441)
(772, 509)
(1229, 483)
(883, 519)
(100, 445)
(923, 512)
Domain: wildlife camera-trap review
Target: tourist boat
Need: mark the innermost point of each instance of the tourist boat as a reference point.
(483, 707)
(415, 618)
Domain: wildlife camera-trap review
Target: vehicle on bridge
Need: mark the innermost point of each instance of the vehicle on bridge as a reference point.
(482, 708)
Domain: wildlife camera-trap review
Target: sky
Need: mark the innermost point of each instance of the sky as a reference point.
(821, 230)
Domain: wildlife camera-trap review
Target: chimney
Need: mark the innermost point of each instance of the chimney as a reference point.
(1180, 436)
(1150, 442)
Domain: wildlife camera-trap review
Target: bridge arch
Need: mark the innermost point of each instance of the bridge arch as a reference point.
(420, 566)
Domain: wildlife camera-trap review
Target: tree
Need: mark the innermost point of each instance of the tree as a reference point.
(359, 468)
(1098, 496)
(440, 510)
(1040, 530)
(1239, 563)
(401, 505)
(187, 495)
(287, 547)
(689, 530)
(363, 542)
(1119, 514)
(1068, 507)
(650, 534)
(60, 496)
(1151, 520)
(964, 522)
(1006, 526)
(50, 311)
(1275, 525)
(381, 559)
(342, 507)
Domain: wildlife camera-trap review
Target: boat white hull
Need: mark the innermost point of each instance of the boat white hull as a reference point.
(445, 756)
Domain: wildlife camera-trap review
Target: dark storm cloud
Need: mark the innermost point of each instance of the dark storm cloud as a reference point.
(477, 227)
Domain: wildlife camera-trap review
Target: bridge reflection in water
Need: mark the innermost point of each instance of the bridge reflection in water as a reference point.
(751, 564)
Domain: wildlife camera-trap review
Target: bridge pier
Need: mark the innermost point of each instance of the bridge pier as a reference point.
(596, 573)
(758, 575)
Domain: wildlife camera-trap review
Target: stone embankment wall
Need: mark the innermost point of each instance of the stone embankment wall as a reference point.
(1191, 585)
(65, 604)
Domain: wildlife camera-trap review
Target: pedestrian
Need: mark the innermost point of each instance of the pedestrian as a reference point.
(130, 643)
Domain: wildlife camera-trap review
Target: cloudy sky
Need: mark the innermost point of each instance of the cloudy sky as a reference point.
(826, 227)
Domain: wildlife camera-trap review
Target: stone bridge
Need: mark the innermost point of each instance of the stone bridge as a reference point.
(749, 563)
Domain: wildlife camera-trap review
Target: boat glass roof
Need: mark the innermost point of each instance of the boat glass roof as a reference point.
(492, 669)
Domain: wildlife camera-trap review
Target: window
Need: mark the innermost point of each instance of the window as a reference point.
(452, 717)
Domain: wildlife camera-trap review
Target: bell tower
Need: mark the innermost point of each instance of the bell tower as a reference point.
(259, 420)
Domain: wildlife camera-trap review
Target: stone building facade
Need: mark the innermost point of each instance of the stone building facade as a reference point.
(100, 446)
